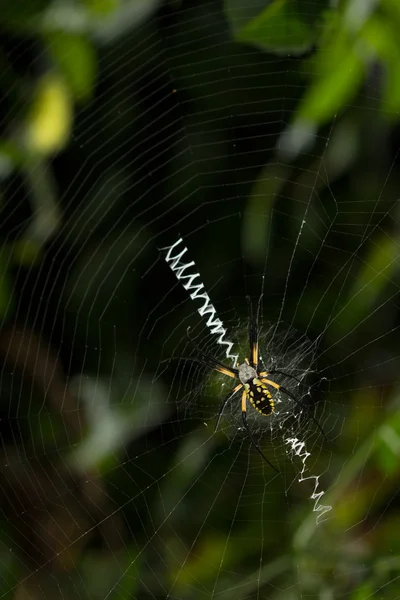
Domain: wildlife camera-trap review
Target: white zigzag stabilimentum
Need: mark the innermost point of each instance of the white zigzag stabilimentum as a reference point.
(299, 449)
(184, 273)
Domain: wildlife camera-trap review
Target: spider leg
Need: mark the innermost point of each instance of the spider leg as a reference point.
(278, 372)
(225, 402)
(296, 400)
(212, 362)
(246, 425)
(253, 332)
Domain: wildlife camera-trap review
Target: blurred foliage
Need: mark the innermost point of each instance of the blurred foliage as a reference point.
(126, 123)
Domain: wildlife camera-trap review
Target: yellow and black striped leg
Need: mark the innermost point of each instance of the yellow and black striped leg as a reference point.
(246, 425)
(278, 372)
(225, 402)
(212, 362)
(253, 334)
(292, 397)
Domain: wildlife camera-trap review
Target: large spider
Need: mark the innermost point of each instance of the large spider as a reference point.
(254, 383)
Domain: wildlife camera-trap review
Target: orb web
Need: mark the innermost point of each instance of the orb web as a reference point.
(113, 483)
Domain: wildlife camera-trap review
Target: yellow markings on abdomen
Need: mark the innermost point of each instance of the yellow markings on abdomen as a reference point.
(259, 396)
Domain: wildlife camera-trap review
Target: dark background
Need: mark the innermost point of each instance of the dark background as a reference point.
(266, 135)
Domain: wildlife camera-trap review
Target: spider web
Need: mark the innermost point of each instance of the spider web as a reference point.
(113, 483)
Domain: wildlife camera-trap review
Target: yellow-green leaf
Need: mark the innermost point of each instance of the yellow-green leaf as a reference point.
(391, 90)
(49, 121)
(382, 37)
(102, 7)
(76, 59)
(337, 84)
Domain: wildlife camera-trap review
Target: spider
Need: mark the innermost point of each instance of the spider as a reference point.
(253, 382)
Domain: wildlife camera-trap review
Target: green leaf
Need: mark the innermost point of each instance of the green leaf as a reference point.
(393, 9)
(387, 445)
(379, 266)
(11, 157)
(49, 122)
(279, 28)
(102, 7)
(18, 15)
(382, 37)
(340, 79)
(239, 13)
(76, 59)
(388, 450)
(391, 90)
(364, 591)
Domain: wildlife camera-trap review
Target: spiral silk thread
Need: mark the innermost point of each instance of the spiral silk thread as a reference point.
(184, 272)
(299, 449)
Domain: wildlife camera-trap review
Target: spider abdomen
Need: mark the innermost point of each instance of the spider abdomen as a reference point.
(259, 396)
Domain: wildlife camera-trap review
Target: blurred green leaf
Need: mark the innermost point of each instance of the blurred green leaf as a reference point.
(130, 580)
(109, 23)
(20, 15)
(364, 591)
(383, 39)
(336, 71)
(379, 266)
(393, 9)
(388, 450)
(11, 157)
(203, 566)
(391, 89)
(240, 13)
(102, 7)
(377, 32)
(341, 76)
(278, 28)
(388, 445)
(49, 122)
(76, 58)
(106, 20)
